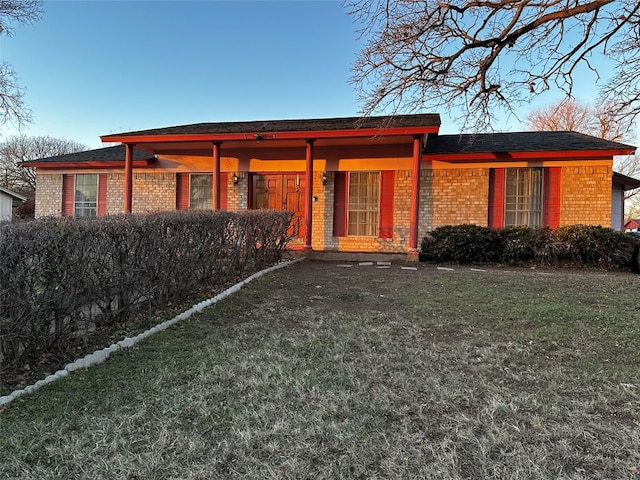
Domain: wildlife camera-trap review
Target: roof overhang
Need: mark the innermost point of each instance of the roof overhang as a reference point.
(89, 164)
(13, 194)
(626, 182)
(201, 144)
(509, 156)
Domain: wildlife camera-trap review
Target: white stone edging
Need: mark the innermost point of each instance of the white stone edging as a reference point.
(99, 356)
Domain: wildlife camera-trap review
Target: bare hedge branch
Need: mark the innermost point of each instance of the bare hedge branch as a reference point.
(61, 277)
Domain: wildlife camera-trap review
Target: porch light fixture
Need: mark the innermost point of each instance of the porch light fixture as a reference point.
(324, 178)
(236, 179)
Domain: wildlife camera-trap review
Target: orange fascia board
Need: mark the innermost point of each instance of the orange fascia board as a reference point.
(521, 163)
(58, 165)
(298, 135)
(507, 156)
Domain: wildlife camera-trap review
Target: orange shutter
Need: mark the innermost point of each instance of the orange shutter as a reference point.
(551, 200)
(182, 191)
(102, 194)
(497, 178)
(68, 195)
(340, 205)
(224, 190)
(387, 180)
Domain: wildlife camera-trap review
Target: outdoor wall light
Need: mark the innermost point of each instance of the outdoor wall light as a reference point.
(324, 178)
(236, 179)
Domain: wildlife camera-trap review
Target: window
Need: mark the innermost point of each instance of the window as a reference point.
(200, 192)
(363, 204)
(194, 191)
(364, 201)
(86, 195)
(523, 197)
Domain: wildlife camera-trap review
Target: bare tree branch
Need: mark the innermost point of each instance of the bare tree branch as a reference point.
(599, 120)
(12, 106)
(488, 57)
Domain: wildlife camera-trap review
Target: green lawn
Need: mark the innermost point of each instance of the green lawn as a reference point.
(317, 371)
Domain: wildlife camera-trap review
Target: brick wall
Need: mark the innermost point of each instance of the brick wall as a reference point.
(322, 219)
(401, 210)
(115, 193)
(453, 196)
(154, 192)
(447, 196)
(586, 195)
(237, 195)
(322, 228)
(48, 195)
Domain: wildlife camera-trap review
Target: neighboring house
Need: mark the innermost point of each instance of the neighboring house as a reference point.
(376, 184)
(621, 184)
(633, 225)
(6, 203)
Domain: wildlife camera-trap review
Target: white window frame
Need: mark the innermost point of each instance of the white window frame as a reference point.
(363, 210)
(84, 204)
(523, 197)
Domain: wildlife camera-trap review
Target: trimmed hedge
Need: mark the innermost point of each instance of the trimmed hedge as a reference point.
(461, 244)
(62, 277)
(588, 245)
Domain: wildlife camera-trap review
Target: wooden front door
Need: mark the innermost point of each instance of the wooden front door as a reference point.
(282, 192)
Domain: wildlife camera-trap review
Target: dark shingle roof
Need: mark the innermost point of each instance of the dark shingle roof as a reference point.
(107, 154)
(518, 142)
(627, 182)
(326, 124)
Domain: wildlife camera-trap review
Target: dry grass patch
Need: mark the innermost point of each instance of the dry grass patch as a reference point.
(320, 372)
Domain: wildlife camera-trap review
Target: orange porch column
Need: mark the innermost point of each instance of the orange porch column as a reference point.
(308, 196)
(215, 191)
(128, 177)
(415, 195)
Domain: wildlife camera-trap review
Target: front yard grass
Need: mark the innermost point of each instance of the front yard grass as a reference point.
(318, 372)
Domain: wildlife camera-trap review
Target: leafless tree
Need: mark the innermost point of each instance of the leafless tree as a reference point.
(21, 148)
(574, 116)
(488, 57)
(12, 106)
(597, 120)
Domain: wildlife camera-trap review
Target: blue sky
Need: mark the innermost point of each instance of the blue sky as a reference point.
(91, 68)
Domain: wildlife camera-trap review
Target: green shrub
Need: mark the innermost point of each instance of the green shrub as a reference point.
(461, 244)
(595, 245)
(526, 245)
(518, 244)
(635, 258)
(589, 245)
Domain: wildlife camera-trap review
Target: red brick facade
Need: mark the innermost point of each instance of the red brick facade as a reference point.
(426, 180)
(448, 196)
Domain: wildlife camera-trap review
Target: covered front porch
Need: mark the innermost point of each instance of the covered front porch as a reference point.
(295, 165)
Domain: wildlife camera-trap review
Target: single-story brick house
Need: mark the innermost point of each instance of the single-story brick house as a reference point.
(6, 203)
(375, 184)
